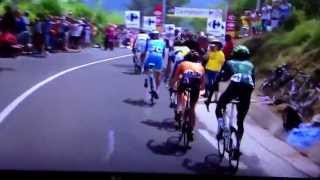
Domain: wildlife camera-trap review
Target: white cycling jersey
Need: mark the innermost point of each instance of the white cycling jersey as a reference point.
(141, 42)
(179, 53)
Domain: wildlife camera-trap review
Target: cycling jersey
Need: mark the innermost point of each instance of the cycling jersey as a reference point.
(141, 42)
(155, 53)
(179, 53)
(189, 70)
(215, 61)
(243, 71)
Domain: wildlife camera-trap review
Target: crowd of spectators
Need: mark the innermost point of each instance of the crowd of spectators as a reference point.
(50, 34)
(269, 17)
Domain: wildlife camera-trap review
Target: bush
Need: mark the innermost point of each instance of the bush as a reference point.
(300, 34)
(81, 10)
(315, 38)
(294, 20)
(50, 6)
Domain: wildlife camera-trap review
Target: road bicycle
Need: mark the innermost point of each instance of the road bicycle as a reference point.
(228, 141)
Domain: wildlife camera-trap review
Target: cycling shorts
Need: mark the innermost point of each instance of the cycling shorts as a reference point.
(156, 60)
(193, 84)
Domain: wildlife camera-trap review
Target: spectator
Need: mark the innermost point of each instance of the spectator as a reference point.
(266, 16)
(203, 43)
(228, 47)
(245, 24)
(39, 36)
(254, 22)
(87, 35)
(109, 37)
(275, 14)
(23, 34)
(26, 20)
(285, 10)
(76, 31)
(47, 26)
(8, 22)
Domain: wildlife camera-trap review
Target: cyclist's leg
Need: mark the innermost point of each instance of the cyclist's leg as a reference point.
(194, 96)
(158, 69)
(244, 94)
(225, 98)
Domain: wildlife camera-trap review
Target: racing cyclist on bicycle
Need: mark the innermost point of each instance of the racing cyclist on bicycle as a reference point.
(155, 55)
(189, 74)
(177, 56)
(139, 49)
(240, 88)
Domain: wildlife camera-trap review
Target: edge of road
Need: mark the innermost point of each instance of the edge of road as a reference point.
(274, 145)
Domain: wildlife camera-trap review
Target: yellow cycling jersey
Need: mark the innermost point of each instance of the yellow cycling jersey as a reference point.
(215, 61)
(184, 50)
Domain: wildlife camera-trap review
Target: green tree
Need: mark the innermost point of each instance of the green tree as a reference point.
(146, 6)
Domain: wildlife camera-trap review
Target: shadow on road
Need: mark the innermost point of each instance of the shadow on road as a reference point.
(6, 69)
(167, 124)
(169, 148)
(139, 102)
(131, 73)
(212, 164)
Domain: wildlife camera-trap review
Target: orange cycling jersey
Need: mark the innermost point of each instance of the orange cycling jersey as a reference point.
(189, 66)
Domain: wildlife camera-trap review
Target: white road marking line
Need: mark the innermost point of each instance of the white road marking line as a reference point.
(110, 144)
(214, 143)
(7, 111)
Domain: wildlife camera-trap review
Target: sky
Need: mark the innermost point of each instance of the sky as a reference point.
(121, 4)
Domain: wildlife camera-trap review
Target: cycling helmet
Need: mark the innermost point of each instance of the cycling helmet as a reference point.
(193, 56)
(154, 34)
(241, 52)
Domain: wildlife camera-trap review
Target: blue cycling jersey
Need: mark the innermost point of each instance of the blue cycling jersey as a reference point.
(156, 47)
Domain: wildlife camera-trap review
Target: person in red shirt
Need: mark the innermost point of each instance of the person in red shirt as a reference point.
(228, 47)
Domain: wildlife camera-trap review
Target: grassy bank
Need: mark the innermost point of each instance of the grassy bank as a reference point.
(299, 46)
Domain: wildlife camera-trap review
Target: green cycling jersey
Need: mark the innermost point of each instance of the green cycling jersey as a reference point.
(243, 71)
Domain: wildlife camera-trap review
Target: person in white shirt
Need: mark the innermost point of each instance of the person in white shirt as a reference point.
(76, 31)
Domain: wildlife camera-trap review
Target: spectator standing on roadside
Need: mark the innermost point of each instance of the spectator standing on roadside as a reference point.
(245, 24)
(285, 10)
(26, 20)
(46, 31)
(38, 35)
(76, 31)
(87, 35)
(8, 22)
(254, 22)
(275, 15)
(23, 35)
(266, 16)
(228, 47)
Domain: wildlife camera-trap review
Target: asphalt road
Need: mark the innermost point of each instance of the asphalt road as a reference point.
(93, 119)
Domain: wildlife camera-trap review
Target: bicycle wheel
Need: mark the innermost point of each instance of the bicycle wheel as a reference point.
(233, 160)
(221, 147)
(185, 129)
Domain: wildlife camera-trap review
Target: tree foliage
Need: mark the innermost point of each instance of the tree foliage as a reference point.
(147, 6)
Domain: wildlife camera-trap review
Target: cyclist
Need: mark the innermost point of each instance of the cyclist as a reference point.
(155, 54)
(240, 88)
(189, 74)
(139, 48)
(214, 61)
